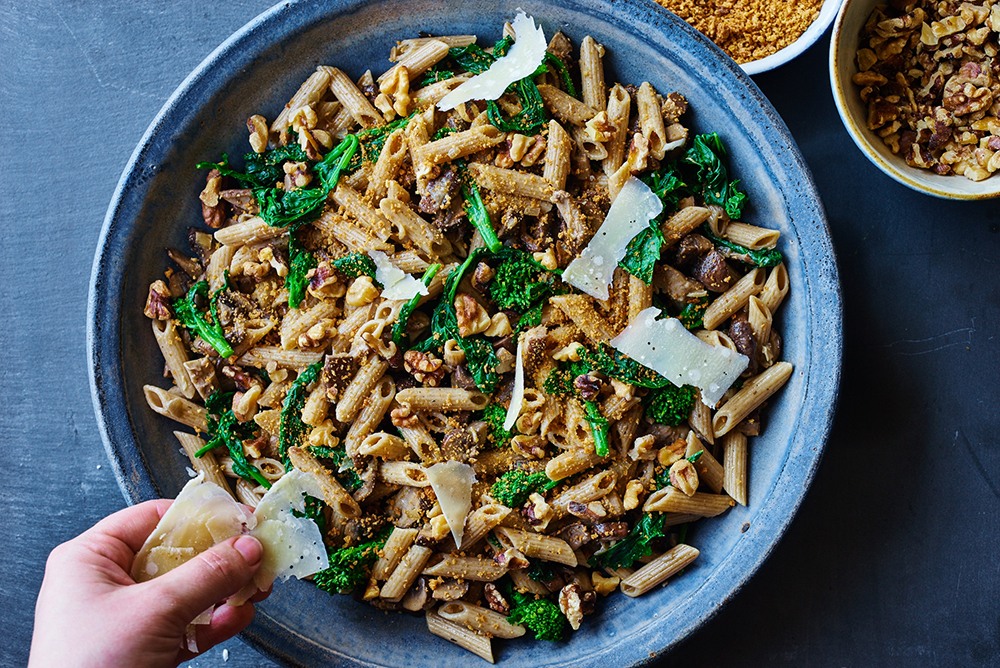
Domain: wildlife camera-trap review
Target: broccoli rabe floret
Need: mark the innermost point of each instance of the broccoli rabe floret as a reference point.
(540, 615)
(671, 405)
(515, 486)
(349, 567)
(494, 416)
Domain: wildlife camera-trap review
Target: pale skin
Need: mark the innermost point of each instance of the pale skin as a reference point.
(90, 613)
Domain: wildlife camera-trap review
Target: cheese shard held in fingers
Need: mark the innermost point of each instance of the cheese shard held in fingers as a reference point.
(452, 484)
(202, 515)
(524, 57)
(666, 347)
(593, 270)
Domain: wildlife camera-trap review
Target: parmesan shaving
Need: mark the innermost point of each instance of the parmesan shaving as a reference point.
(517, 396)
(666, 347)
(524, 57)
(397, 284)
(630, 213)
(452, 484)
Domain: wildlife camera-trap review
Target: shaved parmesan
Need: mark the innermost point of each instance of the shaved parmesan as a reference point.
(292, 545)
(666, 347)
(452, 485)
(521, 61)
(630, 213)
(397, 284)
(517, 396)
(202, 515)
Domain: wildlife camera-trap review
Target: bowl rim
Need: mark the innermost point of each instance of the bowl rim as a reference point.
(861, 135)
(111, 404)
(812, 35)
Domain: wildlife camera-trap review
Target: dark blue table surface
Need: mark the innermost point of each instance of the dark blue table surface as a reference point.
(893, 559)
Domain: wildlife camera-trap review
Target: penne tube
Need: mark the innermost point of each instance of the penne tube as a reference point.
(384, 446)
(369, 218)
(390, 159)
(478, 569)
(462, 636)
(403, 473)
(454, 146)
(570, 462)
(565, 107)
(480, 620)
(672, 500)
(708, 467)
(215, 272)
(416, 60)
(372, 412)
(759, 318)
(775, 288)
(407, 224)
(442, 399)
(733, 299)
(352, 98)
(360, 387)
(538, 546)
(298, 321)
(396, 545)
(651, 120)
(174, 355)
(735, 466)
(751, 236)
(206, 464)
(592, 74)
(308, 94)
(261, 356)
(557, 156)
(591, 489)
(176, 407)
(658, 570)
(481, 521)
(754, 392)
(682, 223)
(358, 239)
(405, 573)
(249, 231)
(511, 182)
(342, 504)
(618, 108)
(580, 309)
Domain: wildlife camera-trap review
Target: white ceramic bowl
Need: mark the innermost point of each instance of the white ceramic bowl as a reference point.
(826, 15)
(854, 112)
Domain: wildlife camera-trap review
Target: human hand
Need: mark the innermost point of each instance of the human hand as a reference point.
(91, 613)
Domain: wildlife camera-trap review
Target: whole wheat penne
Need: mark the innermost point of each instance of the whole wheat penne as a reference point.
(416, 60)
(215, 272)
(538, 546)
(384, 446)
(375, 407)
(592, 73)
(481, 521)
(735, 466)
(175, 407)
(733, 299)
(775, 288)
(759, 317)
(478, 569)
(356, 238)
(708, 467)
(658, 570)
(651, 119)
(751, 236)
(557, 150)
(405, 573)
(352, 98)
(309, 93)
(206, 464)
(248, 232)
(419, 438)
(682, 223)
(390, 158)
(580, 309)
(618, 108)
(672, 500)
(409, 225)
(342, 504)
(396, 545)
(754, 392)
(511, 182)
(570, 462)
(174, 355)
(442, 399)
(359, 388)
(406, 45)
(466, 638)
(481, 620)
(565, 107)
(454, 146)
(298, 321)
(261, 356)
(590, 489)
(433, 93)
(363, 212)
(403, 473)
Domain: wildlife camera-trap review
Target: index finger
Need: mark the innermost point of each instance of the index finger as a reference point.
(134, 524)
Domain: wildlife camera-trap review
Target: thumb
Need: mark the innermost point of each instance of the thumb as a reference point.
(193, 587)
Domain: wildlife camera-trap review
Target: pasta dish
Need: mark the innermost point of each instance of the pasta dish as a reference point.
(503, 314)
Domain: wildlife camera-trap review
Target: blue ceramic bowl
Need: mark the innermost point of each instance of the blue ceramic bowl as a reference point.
(257, 70)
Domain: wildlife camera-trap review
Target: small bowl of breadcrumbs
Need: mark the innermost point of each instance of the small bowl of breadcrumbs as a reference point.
(760, 35)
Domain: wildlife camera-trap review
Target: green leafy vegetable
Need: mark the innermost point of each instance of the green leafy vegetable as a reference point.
(314, 511)
(560, 381)
(643, 252)
(443, 132)
(599, 427)
(225, 431)
(373, 139)
(513, 286)
(356, 264)
(530, 120)
(350, 567)
(670, 405)
(300, 263)
(693, 314)
(494, 416)
(433, 76)
(514, 487)
(540, 571)
(291, 428)
(399, 328)
(205, 325)
(476, 210)
(618, 365)
(540, 615)
(706, 153)
(668, 186)
(555, 63)
(635, 545)
(348, 478)
(764, 257)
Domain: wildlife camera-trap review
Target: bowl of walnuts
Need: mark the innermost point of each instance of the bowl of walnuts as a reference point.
(915, 85)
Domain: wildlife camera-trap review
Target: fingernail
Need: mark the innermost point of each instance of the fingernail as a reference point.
(250, 548)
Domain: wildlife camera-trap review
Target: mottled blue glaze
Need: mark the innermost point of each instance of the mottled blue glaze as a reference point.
(257, 70)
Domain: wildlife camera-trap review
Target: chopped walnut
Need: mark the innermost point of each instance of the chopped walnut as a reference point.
(402, 417)
(666, 456)
(495, 599)
(512, 558)
(424, 367)
(684, 477)
(158, 301)
(643, 448)
(538, 512)
(472, 318)
(571, 604)
(604, 585)
(212, 210)
(633, 489)
(588, 385)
